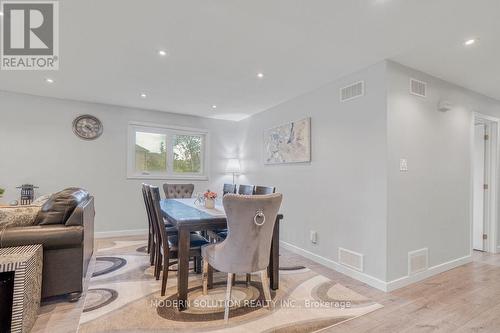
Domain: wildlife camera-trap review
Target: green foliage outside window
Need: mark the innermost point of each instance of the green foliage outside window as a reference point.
(187, 153)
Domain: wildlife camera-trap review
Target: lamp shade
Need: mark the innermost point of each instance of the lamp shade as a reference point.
(233, 165)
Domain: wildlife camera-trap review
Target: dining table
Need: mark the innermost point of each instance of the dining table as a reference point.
(189, 215)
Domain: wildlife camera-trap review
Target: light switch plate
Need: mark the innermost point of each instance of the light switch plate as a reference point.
(403, 165)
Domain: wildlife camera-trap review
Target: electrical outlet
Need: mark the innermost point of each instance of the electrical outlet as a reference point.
(314, 237)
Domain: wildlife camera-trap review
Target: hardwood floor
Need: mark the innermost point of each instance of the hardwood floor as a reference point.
(465, 299)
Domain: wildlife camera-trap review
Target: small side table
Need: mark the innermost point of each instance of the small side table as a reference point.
(26, 263)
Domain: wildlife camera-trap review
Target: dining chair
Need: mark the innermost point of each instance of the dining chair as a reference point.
(246, 189)
(260, 190)
(168, 248)
(178, 191)
(228, 188)
(250, 221)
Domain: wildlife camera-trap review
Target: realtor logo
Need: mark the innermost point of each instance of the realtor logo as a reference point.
(30, 35)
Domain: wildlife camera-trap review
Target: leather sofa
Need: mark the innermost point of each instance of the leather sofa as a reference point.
(65, 228)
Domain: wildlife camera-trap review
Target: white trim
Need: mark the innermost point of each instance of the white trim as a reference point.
(121, 233)
(363, 277)
(491, 178)
(406, 280)
(373, 281)
(179, 128)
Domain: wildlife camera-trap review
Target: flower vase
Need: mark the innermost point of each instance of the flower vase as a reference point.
(210, 203)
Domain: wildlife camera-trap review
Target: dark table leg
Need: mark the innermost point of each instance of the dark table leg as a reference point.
(183, 268)
(274, 262)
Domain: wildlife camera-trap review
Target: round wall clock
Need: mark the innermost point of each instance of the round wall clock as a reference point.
(87, 127)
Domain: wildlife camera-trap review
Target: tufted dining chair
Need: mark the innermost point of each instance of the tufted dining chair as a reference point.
(250, 221)
(178, 191)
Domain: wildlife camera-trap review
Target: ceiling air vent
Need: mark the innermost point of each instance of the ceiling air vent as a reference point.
(351, 259)
(418, 261)
(418, 88)
(352, 91)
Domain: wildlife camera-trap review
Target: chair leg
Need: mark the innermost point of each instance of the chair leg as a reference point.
(265, 287)
(210, 277)
(152, 253)
(249, 279)
(195, 263)
(205, 277)
(149, 240)
(228, 296)
(165, 275)
(197, 260)
(158, 267)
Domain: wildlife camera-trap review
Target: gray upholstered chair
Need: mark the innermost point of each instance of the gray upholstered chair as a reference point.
(246, 189)
(250, 221)
(260, 190)
(228, 188)
(178, 191)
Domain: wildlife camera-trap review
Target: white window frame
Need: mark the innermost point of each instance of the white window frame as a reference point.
(169, 131)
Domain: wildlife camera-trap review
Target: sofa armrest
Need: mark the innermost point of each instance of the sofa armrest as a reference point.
(50, 236)
(83, 212)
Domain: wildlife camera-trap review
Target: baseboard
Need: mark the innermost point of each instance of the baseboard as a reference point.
(360, 276)
(446, 266)
(121, 233)
(371, 280)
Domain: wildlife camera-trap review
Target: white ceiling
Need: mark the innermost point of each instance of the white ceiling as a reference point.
(108, 49)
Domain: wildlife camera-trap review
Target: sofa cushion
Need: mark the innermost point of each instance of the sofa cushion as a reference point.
(60, 206)
(18, 216)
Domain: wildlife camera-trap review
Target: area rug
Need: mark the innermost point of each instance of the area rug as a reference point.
(123, 296)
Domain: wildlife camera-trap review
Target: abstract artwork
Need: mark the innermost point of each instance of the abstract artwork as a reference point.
(288, 143)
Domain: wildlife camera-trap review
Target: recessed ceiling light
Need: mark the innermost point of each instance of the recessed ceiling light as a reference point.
(260, 75)
(470, 42)
(214, 106)
(1, 13)
(143, 95)
(162, 53)
(49, 80)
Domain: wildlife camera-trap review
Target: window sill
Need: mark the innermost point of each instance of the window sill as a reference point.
(170, 177)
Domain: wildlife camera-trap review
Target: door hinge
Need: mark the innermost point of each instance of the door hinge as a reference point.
(485, 236)
(486, 137)
(485, 186)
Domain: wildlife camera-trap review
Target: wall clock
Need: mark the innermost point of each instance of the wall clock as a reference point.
(87, 127)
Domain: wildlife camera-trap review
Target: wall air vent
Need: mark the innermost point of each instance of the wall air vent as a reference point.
(418, 88)
(351, 259)
(418, 261)
(352, 91)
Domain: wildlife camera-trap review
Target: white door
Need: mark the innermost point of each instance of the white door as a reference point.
(478, 213)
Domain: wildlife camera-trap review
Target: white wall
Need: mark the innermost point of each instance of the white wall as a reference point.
(341, 194)
(37, 146)
(430, 205)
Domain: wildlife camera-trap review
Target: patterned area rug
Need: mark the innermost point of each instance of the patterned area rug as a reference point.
(123, 296)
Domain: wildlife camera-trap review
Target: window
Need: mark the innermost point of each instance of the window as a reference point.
(158, 152)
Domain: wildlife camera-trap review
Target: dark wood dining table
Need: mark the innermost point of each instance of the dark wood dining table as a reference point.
(187, 217)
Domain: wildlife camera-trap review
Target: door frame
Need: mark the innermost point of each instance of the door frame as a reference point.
(491, 178)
